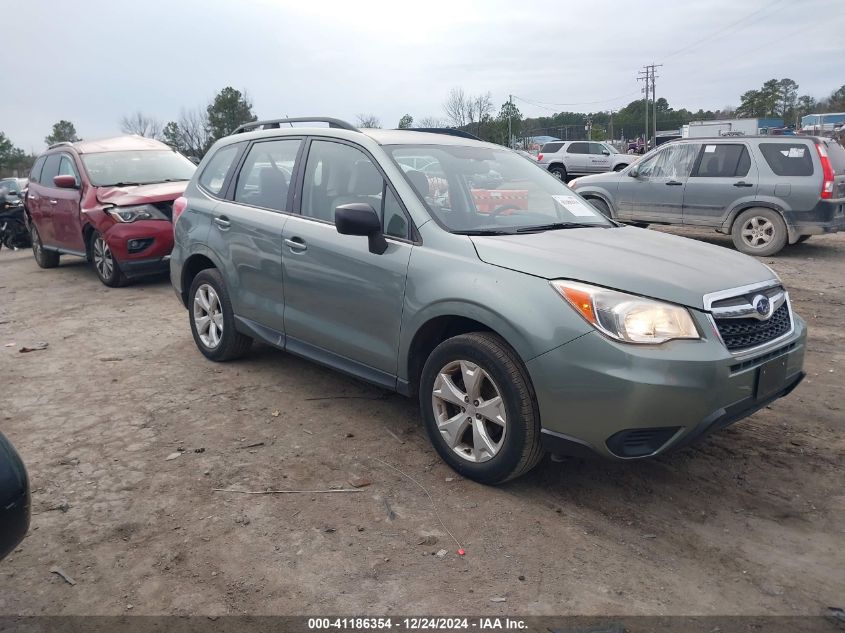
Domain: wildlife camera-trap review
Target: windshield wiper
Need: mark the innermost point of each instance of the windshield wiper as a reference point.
(483, 232)
(557, 225)
(123, 184)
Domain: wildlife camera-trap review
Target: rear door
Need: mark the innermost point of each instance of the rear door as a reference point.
(656, 194)
(246, 230)
(343, 303)
(724, 174)
(575, 157)
(598, 160)
(67, 224)
(45, 201)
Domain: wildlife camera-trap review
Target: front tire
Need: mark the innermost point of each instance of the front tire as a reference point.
(44, 258)
(760, 232)
(479, 408)
(105, 265)
(212, 318)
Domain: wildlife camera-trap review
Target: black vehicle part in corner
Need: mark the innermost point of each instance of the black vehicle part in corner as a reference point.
(14, 498)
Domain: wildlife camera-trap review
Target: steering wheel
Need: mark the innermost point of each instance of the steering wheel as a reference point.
(502, 208)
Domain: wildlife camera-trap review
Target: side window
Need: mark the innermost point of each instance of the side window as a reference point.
(723, 161)
(788, 159)
(264, 179)
(67, 168)
(51, 170)
(337, 174)
(674, 161)
(597, 148)
(35, 174)
(551, 148)
(578, 148)
(214, 174)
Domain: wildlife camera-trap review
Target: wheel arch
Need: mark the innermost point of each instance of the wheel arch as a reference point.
(435, 329)
(192, 266)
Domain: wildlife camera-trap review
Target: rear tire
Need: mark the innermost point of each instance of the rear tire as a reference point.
(212, 319)
(559, 172)
(500, 437)
(759, 231)
(45, 259)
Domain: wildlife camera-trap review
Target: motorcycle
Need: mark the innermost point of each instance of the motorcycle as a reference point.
(13, 231)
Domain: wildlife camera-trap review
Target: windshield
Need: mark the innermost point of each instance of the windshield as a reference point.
(471, 189)
(137, 167)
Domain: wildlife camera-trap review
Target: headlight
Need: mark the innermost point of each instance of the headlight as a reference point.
(625, 317)
(139, 212)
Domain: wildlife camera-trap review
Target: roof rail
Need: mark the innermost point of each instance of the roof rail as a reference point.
(450, 131)
(60, 144)
(269, 124)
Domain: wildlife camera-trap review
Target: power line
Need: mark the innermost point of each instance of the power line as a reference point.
(543, 104)
(722, 29)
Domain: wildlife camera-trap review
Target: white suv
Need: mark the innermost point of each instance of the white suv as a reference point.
(566, 159)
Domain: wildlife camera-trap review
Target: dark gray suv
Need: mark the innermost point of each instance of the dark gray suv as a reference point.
(456, 272)
(764, 191)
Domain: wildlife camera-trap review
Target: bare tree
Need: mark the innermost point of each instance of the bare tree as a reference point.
(139, 123)
(432, 121)
(191, 134)
(368, 120)
(457, 107)
(480, 107)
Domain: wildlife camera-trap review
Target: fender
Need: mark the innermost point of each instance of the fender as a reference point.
(195, 249)
(764, 203)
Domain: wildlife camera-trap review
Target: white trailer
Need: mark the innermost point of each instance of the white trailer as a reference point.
(725, 127)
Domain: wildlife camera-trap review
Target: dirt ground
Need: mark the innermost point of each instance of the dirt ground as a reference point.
(750, 521)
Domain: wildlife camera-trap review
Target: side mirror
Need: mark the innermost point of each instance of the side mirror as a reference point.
(14, 498)
(65, 182)
(360, 218)
(605, 152)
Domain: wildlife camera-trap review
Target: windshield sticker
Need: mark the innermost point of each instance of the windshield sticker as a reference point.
(794, 152)
(709, 149)
(576, 206)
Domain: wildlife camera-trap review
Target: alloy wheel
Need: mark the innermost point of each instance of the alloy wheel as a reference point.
(208, 316)
(758, 232)
(103, 259)
(469, 411)
(36, 243)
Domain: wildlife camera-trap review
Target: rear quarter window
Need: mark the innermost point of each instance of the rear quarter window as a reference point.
(788, 159)
(213, 177)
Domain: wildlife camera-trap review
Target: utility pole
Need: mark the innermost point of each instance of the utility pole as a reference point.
(654, 99)
(645, 75)
(510, 110)
(612, 138)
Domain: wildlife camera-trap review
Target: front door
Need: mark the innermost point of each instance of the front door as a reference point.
(598, 160)
(724, 174)
(656, 193)
(67, 225)
(246, 230)
(343, 303)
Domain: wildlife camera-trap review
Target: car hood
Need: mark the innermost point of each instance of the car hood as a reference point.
(141, 194)
(640, 261)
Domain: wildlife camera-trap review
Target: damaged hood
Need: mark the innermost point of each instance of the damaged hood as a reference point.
(141, 194)
(639, 261)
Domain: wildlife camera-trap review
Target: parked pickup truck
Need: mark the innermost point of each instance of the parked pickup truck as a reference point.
(567, 159)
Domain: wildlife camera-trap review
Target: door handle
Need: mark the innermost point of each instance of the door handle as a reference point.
(54, 201)
(222, 223)
(674, 183)
(296, 244)
(742, 183)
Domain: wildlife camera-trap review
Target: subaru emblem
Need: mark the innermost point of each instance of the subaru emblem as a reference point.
(762, 305)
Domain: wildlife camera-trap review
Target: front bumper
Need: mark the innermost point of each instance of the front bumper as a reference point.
(597, 396)
(154, 258)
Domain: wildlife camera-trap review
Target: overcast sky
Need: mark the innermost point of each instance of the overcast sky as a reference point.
(93, 61)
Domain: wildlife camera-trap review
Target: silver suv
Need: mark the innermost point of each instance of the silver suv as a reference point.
(456, 272)
(566, 159)
(765, 191)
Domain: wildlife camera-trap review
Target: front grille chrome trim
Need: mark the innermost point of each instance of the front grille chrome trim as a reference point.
(747, 353)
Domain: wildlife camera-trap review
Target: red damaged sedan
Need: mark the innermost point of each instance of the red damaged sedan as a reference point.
(109, 201)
